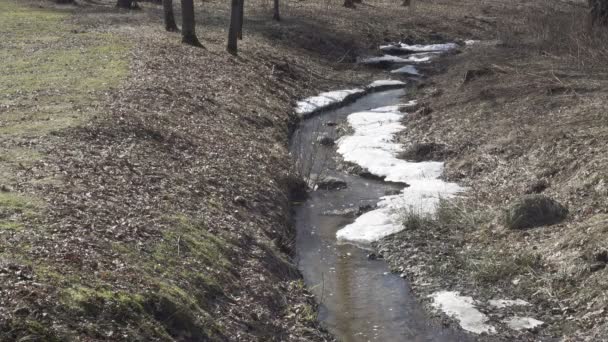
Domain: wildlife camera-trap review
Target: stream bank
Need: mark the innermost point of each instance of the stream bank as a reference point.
(359, 299)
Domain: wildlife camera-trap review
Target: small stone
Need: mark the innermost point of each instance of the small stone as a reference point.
(331, 183)
(5, 188)
(240, 200)
(533, 211)
(597, 266)
(372, 256)
(601, 256)
(326, 140)
(537, 186)
(365, 208)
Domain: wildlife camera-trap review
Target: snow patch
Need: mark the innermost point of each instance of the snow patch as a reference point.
(323, 100)
(371, 146)
(463, 309)
(522, 323)
(385, 83)
(405, 48)
(388, 59)
(408, 69)
(503, 303)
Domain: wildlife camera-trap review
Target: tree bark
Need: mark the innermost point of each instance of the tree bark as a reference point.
(276, 16)
(233, 30)
(349, 4)
(188, 24)
(170, 24)
(241, 18)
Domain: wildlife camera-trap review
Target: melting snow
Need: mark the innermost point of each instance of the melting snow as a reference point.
(522, 323)
(503, 303)
(463, 309)
(385, 83)
(314, 103)
(383, 59)
(405, 48)
(371, 146)
(408, 69)
(413, 58)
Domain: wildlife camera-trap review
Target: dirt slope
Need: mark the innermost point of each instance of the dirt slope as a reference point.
(520, 113)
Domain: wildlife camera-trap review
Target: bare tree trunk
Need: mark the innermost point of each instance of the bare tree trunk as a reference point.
(170, 24)
(233, 30)
(349, 4)
(188, 24)
(276, 16)
(241, 18)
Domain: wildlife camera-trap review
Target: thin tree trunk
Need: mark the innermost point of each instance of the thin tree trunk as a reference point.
(170, 24)
(233, 30)
(241, 18)
(277, 15)
(349, 4)
(188, 24)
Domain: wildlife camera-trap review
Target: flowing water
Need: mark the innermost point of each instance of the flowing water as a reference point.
(360, 300)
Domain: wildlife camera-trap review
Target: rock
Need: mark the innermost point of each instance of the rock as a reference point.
(326, 140)
(366, 207)
(537, 186)
(331, 183)
(533, 211)
(601, 256)
(597, 266)
(240, 200)
(372, 256)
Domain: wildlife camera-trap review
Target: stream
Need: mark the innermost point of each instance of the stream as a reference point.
(359, 298)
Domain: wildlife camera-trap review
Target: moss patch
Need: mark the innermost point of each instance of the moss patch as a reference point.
(51, 76)
(14, 208)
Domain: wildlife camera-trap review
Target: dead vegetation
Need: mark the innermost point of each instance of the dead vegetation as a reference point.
(522, 112)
